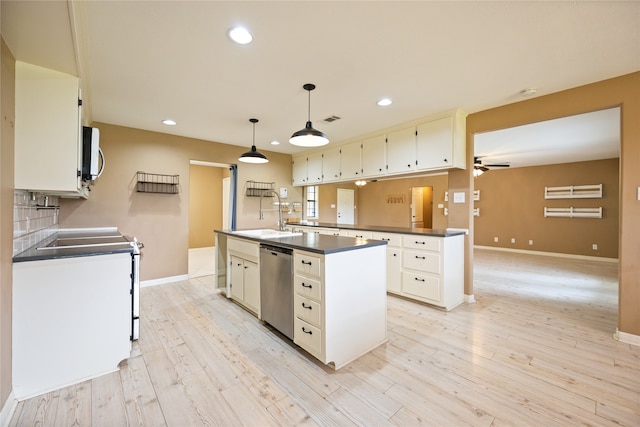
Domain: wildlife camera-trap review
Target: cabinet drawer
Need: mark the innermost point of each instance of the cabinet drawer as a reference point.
(422, 260)
(391, 239)
(421, 285)
(307, 310)
(307, 336)
(361, 234)
(306, 264)
(422, 242)
(308, 288)
(245, 248)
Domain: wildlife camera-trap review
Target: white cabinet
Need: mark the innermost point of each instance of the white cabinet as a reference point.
(48, 131)
(243, 279)
(350, 163)
(339, 303)
(314, 169)
(299, 170)
(359, 234)
(401, 151)
(374, 161)
(441, 143)
(433, 269)
(394, 259)
(331, 165)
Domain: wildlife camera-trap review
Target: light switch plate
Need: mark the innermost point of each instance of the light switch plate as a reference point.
(458, 197)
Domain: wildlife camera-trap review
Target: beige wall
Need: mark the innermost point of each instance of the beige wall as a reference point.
(205, 204)
(7, 99)
(512, 204)
(623, 91)
(161, 221)
(328, 196)
(374, 208)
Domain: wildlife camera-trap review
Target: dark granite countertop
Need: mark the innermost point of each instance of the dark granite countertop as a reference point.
(88, 242)
(383, 229)
(312, 242)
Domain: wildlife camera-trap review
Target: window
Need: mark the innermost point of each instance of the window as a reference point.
(312, 201)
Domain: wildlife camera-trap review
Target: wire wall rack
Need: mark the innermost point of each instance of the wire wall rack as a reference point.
(157, 183)
(258, 189)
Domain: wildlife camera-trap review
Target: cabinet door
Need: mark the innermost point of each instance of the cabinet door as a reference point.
(374, 162)
(237, 278)
(252, 286)
(394, 269)
(401, 151)
(47, 131)
(331, 165)
(299, 170)
(350, 166)
(435, 144)
(314, 168)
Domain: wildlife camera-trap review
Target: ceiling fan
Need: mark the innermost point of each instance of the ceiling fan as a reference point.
(479, 166)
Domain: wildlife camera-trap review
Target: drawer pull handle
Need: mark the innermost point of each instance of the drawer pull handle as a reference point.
(304, 285)
(306, 306)
(421, 257)
(420, 243)
(418, 279)
(306, 332)
(384, 239)
(306, 263)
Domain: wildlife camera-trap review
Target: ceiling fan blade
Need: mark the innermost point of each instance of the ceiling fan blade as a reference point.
(498, 166)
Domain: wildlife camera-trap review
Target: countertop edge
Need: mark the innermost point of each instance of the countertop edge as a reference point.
(435, 232)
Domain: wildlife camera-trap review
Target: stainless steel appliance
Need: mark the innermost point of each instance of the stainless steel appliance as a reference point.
(276, 287)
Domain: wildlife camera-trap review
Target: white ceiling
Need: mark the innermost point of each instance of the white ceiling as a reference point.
(143, 61)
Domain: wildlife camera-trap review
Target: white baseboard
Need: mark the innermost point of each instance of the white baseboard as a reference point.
(469, 299)
(627, 338)
(8, 409)
(553, 254)
(164, 280)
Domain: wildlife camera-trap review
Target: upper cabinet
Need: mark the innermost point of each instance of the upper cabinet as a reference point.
(374, 159)
(401, 151)
(48, 132)
(441, 143)
(434, 144)
(350, 166)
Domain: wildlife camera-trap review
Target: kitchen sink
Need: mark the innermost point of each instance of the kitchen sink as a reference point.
(266, 233)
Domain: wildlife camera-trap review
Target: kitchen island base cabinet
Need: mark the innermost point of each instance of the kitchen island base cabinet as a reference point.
(243, 284)
(71, 320)
(340, 303)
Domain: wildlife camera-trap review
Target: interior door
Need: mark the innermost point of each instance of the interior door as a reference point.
(417, 217)
(346, 206)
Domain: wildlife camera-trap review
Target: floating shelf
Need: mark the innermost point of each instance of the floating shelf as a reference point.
(574, 192)
(157, 183)
(257, 188)
(573, 212)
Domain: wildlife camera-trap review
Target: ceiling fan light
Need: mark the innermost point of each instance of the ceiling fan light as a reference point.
(309, 137)
(253, 156)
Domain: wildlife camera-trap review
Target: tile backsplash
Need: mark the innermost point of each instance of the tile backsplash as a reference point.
(35, 217)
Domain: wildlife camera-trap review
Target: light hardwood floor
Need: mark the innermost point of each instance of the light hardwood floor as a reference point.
(536, 349)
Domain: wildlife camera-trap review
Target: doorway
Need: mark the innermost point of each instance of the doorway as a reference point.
(209, 192)
(421, 208)
(346, 206)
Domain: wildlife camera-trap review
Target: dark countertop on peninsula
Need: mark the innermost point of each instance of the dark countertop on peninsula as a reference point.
(99, 235)
(383, 229)
(312, 242)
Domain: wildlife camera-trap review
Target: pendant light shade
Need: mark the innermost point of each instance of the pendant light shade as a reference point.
(253, 156)
(309, 137)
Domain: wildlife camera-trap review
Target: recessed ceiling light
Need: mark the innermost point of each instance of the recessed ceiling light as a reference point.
(275, 143)
(528, 92)
(384, 102)
(169, 122)
(240, 35)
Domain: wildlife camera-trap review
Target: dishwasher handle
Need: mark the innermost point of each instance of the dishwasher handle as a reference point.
(276, 249)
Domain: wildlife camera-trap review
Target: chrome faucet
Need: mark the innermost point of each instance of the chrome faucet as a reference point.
(280, 221)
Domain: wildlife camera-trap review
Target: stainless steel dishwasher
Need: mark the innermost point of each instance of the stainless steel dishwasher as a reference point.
(276, 287)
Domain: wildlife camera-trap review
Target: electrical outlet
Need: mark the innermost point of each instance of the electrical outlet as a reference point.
(595, 247)
(495, 239)
(513, 240)
(530, 242)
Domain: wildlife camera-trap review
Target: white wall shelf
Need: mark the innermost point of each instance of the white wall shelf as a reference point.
(573, 212)
(574, 192)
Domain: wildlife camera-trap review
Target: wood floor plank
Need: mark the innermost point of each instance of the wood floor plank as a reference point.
(288, 413)
(141, 402)
(74, 406)
(108, 406)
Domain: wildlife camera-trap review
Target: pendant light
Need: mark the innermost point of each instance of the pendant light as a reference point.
(253, 156)
(309, 137)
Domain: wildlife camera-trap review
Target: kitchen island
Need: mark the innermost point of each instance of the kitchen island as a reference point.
(423, 264)
(338, 289)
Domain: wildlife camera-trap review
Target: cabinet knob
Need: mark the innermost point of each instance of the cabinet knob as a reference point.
(408, 166)
(446, 161)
